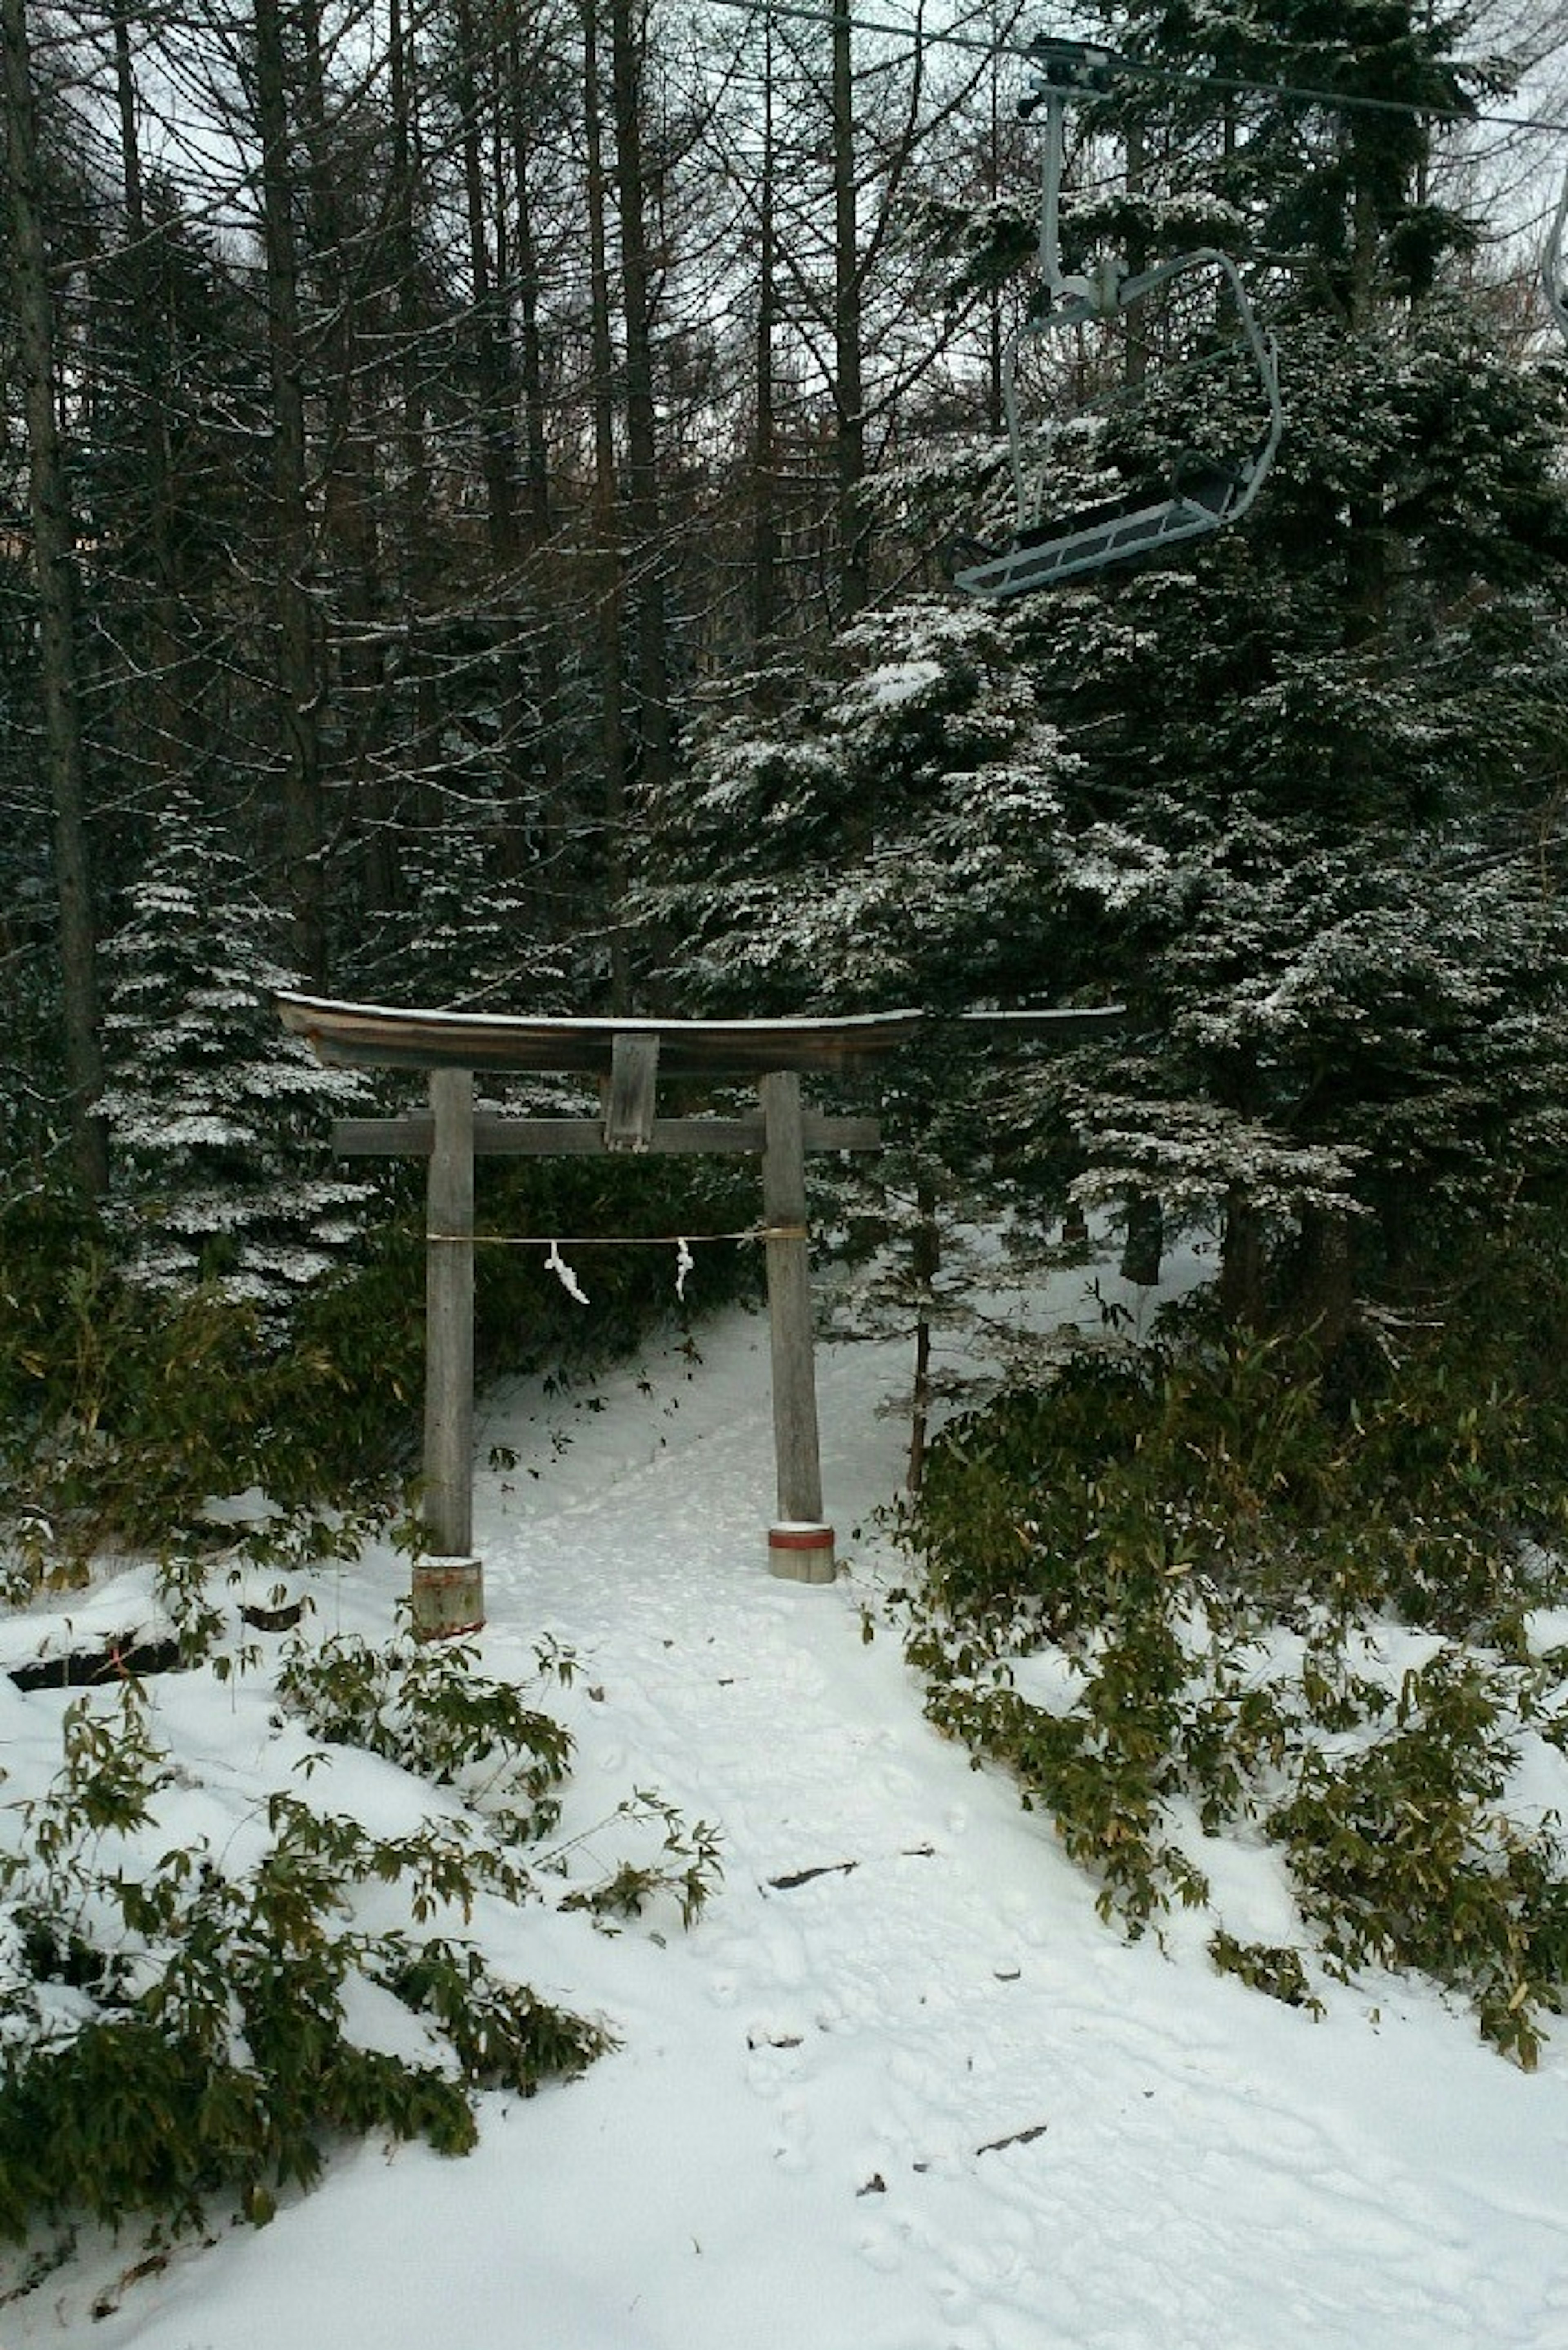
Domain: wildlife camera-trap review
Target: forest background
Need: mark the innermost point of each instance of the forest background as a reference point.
(478, 482)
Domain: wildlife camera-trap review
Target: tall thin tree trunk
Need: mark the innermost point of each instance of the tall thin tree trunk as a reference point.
(925, 1264)
(165, 723)
(849, 393)
(1140, 330)
(1325, 1301)
(1145, 1242)
(646, 547)
(995, 334)
(52, 557)
(488, 324)
(348, 460)
(1242, 1262)
(414, 504)
(1367, 580)
(298, 681)
(537, 491)
(493, 358)
(607, 568)
(766, 546)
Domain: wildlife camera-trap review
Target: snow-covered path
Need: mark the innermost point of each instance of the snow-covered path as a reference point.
(918, 2100)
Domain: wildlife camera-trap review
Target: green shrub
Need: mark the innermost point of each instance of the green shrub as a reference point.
(421, 1705)
(126, 1409)
(1403, 1857)
(1165, 1517)
(1269, 1967)
(173, 2020)
(173, 2031)
(685, 1867)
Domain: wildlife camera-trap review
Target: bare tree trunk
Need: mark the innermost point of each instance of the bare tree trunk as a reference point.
(414, 504)
(348, 460)
(164, 719)
(297, 665)
(1145, 1242)
(1137, 340)
(766, 548)
(52, 556)
(995, 332)
(607, 596)
(925, 1262)
(536, 490)
(489, 323)
(849, 391)
(497, 422)
(349, 467)
(644, 548)
(1325, 1301)
(1242, 1262)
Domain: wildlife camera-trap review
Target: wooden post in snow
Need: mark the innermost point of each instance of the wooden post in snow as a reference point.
(448, 1584)
(799, 1545)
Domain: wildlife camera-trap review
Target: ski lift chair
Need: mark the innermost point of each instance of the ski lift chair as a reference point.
(1201, 496)
(1553, 274)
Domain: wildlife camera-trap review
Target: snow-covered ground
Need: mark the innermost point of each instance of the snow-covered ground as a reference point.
(921, 2100)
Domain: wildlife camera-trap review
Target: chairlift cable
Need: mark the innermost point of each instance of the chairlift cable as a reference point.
(1136, 69)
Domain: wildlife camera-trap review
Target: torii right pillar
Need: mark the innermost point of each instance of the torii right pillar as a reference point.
(800, 1547)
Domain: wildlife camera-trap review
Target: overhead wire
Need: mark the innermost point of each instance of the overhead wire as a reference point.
(1138, 70)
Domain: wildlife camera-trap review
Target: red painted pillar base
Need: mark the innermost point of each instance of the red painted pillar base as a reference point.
(801, 1553)
(448, 1598)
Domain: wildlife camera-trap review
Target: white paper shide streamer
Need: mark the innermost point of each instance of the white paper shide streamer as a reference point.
(556, 1263)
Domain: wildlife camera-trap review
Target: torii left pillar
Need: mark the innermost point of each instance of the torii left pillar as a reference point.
(448, 1592)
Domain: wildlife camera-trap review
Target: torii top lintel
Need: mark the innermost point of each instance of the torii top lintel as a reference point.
(361, 1033)
(358, 1036)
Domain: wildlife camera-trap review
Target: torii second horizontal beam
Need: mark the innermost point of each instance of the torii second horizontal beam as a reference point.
(496, 1137)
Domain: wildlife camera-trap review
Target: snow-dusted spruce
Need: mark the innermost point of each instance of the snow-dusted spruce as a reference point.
(217, 1121)
(1307, 813)
(879, 831)
(888, 830)
(466, 932)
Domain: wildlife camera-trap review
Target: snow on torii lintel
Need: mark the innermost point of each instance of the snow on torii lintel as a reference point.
(359, 1035)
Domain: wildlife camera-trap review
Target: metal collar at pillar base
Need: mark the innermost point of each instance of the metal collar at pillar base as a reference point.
(447, 1597)
(801, 1553)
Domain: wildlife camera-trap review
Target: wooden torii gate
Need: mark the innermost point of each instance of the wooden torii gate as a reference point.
(628, 1056)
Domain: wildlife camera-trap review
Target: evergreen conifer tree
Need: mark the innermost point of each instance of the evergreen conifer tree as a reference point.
(1318, 759)
(1291, 793)
(217, 1120)
(884, 830)
(874, 831)
(467, 934)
